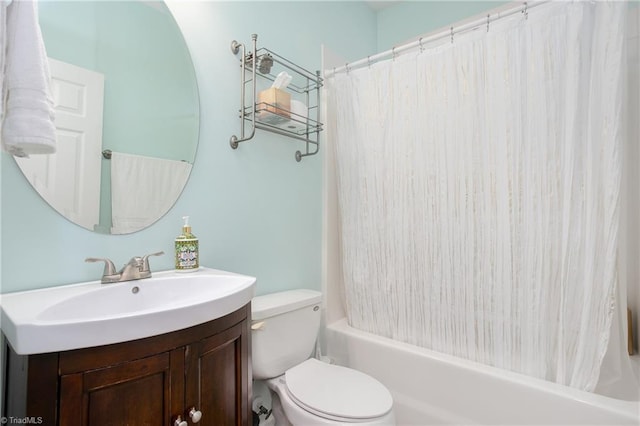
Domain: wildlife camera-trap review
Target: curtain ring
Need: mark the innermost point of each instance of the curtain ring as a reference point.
(346, 66)
(421, 46)
(393, 53)
(369, 61)
(526, 11)
(488, 20)
(451, 35)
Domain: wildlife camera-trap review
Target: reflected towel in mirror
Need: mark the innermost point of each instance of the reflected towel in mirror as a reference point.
(143, 189)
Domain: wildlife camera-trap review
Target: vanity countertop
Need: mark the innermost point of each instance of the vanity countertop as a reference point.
(93, 314)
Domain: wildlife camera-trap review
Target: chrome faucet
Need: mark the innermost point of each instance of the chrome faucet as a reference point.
(136, 269)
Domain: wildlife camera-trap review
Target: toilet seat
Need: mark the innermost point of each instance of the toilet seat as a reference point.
(337, 393)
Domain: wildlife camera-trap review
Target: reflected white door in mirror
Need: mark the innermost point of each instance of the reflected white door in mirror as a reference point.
(69, 180)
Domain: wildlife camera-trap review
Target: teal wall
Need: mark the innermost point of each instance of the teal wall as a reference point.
(256, 210)
(123, 40)
(410, 19)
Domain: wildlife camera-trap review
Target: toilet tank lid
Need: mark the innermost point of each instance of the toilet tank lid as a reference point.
(273, 304)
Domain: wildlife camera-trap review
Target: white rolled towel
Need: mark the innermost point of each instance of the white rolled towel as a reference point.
(27, 126)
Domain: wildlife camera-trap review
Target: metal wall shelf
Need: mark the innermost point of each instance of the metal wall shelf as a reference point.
(304, 88)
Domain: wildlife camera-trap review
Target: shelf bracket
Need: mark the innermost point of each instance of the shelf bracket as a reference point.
(235, 48)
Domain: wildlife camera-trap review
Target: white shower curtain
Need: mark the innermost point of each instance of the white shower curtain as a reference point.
(478, 187)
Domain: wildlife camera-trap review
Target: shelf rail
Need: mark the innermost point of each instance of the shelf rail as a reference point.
(257, 115)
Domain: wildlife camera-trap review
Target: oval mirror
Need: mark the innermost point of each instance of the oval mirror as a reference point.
(127, 114)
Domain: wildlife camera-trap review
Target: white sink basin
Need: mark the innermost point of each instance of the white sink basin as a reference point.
(93, 314)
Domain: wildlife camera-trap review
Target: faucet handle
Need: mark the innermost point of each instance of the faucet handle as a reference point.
(109, 267)
(145, 260)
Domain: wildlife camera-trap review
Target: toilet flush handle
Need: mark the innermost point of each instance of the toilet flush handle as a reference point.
(257, 325)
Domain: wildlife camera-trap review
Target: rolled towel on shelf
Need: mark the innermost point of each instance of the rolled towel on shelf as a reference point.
(299, 113)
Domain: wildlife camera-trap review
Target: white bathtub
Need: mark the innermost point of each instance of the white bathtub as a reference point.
(430, 388)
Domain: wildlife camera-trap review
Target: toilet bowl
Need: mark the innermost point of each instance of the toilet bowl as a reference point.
(317, 393)
(311, 392)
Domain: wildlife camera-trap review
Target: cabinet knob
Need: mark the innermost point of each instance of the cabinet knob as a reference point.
(195, 415)
(180, 422)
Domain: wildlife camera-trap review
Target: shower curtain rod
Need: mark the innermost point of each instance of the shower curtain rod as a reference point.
(451, 32)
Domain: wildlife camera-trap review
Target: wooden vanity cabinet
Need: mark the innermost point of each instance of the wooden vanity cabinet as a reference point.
(143, 382)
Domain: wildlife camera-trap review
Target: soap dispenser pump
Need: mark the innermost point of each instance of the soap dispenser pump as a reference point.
(187, 256)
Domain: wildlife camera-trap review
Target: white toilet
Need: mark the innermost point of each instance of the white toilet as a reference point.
(284, 330)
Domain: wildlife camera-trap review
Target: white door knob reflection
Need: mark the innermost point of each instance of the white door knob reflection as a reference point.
(195, 415)
(180, 422)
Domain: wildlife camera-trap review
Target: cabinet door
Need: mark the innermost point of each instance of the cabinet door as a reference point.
(142, 392)
(218, 380)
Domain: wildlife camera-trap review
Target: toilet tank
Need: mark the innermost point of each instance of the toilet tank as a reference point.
(284, 329)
